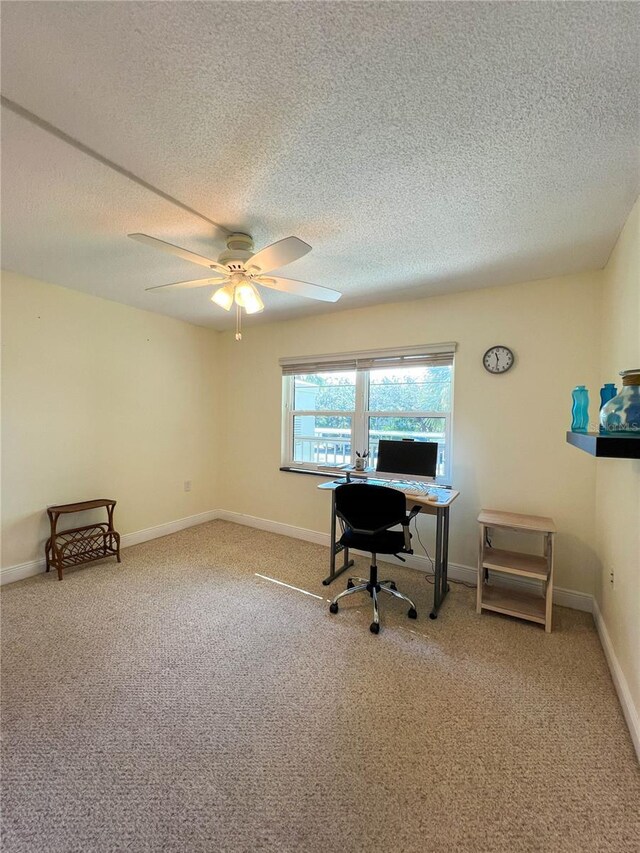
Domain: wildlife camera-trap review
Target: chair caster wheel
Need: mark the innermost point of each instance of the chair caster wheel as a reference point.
(374, 627)
(433, 615)
(412, 613)
(350, 584)
(333, 607)
(393, 586)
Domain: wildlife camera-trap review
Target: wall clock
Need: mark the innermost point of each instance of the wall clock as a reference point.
(498, 359)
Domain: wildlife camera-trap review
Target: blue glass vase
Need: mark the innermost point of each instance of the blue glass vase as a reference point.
(622, 412)
(580, 409)
(607, 392)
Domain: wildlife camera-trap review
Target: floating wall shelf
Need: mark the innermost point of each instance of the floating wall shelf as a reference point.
(618, 446)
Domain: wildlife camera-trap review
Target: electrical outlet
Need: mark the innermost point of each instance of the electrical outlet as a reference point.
(187, 485)
(611, 577)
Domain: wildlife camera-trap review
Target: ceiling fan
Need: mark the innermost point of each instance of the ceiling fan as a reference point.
(238, 270)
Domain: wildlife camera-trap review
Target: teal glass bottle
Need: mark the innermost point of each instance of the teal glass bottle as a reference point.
(607, 392)
(580, 409)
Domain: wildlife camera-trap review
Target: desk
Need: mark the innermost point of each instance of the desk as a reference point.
(439, 508)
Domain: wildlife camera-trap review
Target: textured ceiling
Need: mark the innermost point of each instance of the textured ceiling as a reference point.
(418, 147)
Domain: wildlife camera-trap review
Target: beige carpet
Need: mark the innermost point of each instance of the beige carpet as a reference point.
(180, 703)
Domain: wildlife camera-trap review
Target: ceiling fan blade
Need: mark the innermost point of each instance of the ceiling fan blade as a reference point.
(278, 254)
(196, 282)
(185, 254)
(299, 288)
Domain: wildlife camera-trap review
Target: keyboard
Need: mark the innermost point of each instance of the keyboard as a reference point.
(411, 488)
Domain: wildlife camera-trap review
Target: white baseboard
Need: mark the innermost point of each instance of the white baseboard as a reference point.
(21, 571)
(564, 597)
(129, 539)
(35, 567)
(629, 709)
(275, 527)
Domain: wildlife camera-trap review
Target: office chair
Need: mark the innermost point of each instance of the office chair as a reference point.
(367, 513)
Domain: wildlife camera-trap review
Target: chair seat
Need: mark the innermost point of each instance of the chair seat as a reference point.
(387, 542)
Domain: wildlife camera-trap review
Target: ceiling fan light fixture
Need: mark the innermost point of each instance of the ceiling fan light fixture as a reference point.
(248, 298)
(224, 297)
(236, 270)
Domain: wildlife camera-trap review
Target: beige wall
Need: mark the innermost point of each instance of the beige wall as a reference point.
(618, 480)
(509, 449)
(101, 400)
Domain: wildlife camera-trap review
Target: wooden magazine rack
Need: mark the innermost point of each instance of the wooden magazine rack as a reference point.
(78, 545)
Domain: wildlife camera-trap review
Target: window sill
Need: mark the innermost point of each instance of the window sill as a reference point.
(291, 469)
(339, 473)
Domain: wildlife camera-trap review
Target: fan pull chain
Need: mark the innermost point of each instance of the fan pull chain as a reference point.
(238, 322)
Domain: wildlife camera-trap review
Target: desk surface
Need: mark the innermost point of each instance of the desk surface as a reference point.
(445, 496)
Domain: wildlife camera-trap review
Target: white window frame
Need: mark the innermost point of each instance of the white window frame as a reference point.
(291, 414)
(359, 438)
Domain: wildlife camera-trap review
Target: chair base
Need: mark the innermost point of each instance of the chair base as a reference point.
(373, 586)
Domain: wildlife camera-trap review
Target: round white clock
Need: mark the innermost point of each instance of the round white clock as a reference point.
(498, 359)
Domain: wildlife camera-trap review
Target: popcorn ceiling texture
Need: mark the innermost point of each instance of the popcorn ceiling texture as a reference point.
(419, 147)
(177, 703)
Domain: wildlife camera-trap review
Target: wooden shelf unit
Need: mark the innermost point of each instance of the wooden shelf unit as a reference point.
(500, 599)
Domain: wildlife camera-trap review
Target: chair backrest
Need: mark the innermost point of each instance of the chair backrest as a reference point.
(368, 508)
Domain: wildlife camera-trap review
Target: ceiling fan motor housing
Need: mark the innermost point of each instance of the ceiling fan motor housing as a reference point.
(239, 249)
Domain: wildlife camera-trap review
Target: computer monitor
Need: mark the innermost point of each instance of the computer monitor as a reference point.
(417, 458)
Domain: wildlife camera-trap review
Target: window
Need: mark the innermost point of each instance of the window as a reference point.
(337, 405)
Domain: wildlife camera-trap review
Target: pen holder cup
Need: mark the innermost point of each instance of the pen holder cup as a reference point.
(360, 463)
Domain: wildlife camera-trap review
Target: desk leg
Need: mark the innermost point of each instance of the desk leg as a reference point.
(335, 548)
(440, 582)
(445, 555)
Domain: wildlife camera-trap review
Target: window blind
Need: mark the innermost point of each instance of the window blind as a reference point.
(415, 356)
